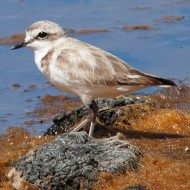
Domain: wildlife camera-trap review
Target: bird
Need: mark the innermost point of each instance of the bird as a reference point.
(82, 69)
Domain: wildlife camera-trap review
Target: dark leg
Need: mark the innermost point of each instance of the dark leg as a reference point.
(93, 111)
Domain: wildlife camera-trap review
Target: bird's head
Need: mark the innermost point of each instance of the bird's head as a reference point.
(40, 35)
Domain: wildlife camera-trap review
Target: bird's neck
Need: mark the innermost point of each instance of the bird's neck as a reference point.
(40, 54)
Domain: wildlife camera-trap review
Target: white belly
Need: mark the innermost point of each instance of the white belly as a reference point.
(60, 79)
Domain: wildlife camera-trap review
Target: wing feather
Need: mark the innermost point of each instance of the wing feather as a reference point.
(91, 65)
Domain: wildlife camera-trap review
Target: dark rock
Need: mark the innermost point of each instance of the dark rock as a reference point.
(107, 115)
(72, 158)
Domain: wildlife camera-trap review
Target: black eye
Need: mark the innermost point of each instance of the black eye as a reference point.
(42, 35)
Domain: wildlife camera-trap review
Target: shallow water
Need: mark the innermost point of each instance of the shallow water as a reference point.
(163, 50)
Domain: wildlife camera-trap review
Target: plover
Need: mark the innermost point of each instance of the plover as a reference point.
(82, 69)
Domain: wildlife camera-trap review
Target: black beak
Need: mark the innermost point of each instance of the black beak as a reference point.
(16, 46)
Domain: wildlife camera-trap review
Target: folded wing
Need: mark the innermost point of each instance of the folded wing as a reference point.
(96, 67)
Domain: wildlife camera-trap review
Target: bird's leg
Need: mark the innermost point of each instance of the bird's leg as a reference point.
(81, 125)
(93, 111)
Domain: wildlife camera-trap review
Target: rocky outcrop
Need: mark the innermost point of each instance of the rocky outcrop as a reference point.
(73, 161)
(108, 114)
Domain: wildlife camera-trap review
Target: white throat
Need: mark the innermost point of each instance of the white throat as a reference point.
(39, 55)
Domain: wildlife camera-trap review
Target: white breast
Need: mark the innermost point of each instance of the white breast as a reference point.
(61, 80)
(38, 56)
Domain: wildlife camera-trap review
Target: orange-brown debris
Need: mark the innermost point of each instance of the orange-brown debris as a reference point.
(51, 105)
(165, 121)
(14, 39)
(138, 27)
(170, 18)
(91, 31)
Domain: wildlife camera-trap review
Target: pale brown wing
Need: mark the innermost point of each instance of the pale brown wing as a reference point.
(127, 75)
(88, 64)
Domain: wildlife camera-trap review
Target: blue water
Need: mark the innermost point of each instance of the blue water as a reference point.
(164, 51)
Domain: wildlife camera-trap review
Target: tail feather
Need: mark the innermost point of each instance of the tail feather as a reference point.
(162, 81)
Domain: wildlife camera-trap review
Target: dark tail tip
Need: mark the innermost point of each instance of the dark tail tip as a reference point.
(167, 82)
